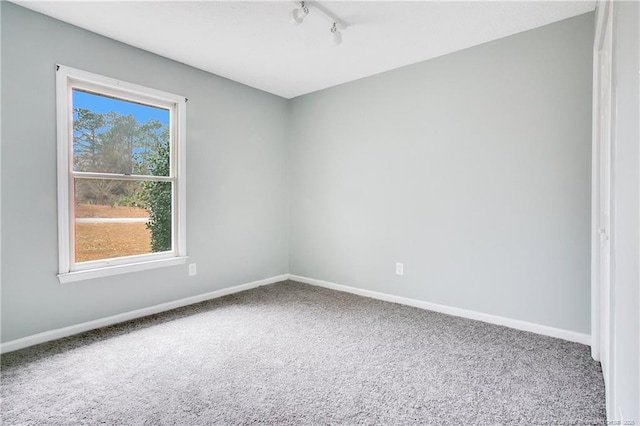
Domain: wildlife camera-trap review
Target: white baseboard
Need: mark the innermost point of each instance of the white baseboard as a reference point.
(559, 333)
(46, 336)
(58, 333)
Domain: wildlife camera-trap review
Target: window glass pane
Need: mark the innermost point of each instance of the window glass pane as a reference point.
(116, 136)
(117, 218)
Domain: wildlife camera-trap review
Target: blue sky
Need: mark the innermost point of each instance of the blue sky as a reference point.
(102, 104)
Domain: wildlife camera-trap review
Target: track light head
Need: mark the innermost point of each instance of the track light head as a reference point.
(337, 35)
(297, 15)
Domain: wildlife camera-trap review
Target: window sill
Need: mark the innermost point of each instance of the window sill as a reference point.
(74, 276)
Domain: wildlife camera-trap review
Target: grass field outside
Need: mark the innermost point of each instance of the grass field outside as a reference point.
(107, 240)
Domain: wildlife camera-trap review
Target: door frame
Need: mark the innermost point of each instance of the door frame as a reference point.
(602, 294)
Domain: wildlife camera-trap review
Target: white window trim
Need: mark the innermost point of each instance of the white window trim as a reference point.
(67, 79)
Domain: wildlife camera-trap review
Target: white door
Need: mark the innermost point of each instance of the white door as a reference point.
(604, 226)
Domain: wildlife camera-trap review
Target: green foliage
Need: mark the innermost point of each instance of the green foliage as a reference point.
(116, 143)
(159, 194)
(136, 199)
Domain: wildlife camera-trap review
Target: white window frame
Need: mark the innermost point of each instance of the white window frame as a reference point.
(67, 79)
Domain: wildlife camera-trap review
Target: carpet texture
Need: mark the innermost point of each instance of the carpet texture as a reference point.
(290, 353)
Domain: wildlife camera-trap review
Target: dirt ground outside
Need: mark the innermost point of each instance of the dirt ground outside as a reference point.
(95, 210)
(108, 240)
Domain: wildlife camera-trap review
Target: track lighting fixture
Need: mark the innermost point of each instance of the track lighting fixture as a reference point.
(297, 15)
(337, 35)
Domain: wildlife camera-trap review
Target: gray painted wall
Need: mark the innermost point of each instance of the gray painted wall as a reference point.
(237, 190)
(472, 169)
(626, 214)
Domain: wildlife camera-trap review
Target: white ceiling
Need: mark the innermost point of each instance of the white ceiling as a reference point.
(254, 43)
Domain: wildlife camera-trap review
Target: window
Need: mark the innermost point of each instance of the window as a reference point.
(121, 183)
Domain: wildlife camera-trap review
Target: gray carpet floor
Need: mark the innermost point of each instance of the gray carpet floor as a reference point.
(290, 353)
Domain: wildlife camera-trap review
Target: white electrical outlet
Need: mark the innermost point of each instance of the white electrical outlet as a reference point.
(399, 269)
(192, 269)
